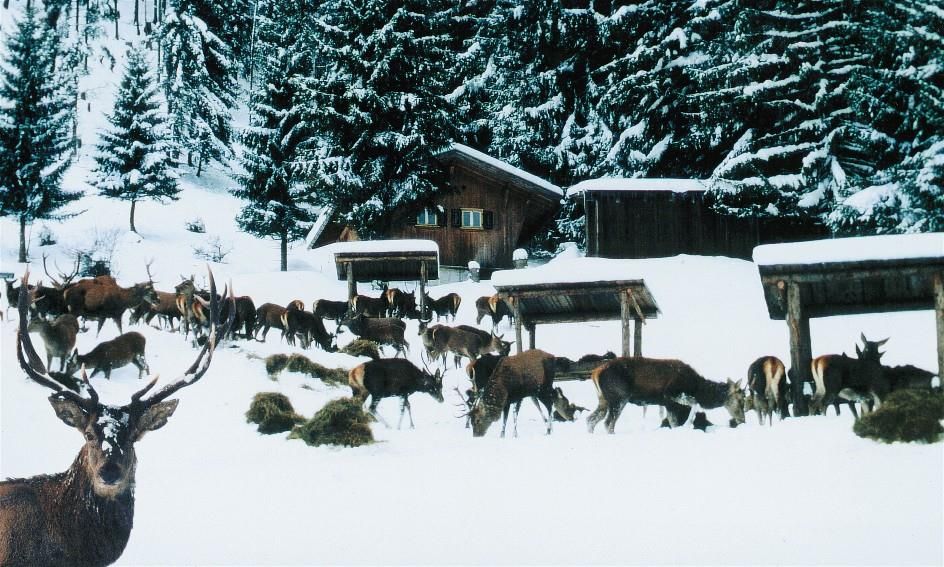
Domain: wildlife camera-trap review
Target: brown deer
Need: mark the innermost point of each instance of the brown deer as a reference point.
(84, 516)
(767, 388)
(494, 307)
(446, 306)
(529, 374)
(369, 306)
(58, 336)
(307, 327)
(668, 383)
(165, 309)
(102, 299)
(861, 379)
(245, 317)
(327, 309)
(125, 349)
(490, 341)
(391, 377)
(382, 330)
(270, 315)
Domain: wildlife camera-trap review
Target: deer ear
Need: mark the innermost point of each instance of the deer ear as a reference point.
(69, 412)
(880, 343)
(154, 418)
(858, 351)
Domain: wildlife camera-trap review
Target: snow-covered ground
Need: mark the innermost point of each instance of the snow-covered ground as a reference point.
(210, 490)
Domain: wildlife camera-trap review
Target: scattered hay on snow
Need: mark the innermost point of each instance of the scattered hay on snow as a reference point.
(276, 363)
(340, 422)
(362, 347)
(905, 415)
(273, 412)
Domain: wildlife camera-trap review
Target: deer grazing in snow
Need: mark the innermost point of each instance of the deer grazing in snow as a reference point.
(384, 330)
(494, 307)
(391, 377)
(270, 315)
(327, 309)
(125, 349)
(84, 515)
(767, 388)
(668, 383)
(446, 306)
(861, 379)
(58, 336)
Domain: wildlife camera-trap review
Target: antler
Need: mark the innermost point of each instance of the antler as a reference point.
(147, 268)
(66, 280)
(202, 363)
(33, 366)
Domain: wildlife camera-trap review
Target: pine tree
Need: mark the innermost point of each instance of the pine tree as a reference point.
(199, 82)
(278, 203)
(135, 156)
(378, 104)
(35, 126)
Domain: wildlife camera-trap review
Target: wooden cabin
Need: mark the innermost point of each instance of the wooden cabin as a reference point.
(650, 218)
(489, 209)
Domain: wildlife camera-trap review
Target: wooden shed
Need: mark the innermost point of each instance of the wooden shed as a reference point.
(649, 218)
(489, 209)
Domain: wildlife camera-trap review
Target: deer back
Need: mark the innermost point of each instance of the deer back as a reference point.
(114, 353)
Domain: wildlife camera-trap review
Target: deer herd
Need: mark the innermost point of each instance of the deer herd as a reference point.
(84, 515)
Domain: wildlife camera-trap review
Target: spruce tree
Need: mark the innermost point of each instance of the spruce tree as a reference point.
(134, 160)
(378, 104)
(278, 204)
(35, 126)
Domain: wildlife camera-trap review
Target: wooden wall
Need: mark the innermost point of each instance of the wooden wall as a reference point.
(651, 224)
(515, 211)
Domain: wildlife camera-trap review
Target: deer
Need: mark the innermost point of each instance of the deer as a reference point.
(165, 309)
(382, 330)
(58, 336)
(369, 306)
(524, 375)
(327, 309)
(102, 299)
(494, 307)
(270, 315)
(665, 382)
(307, 327)
(860, 379)
(84, 516)
(391, 377)
(125, 349)
(767, 388)
(245, 317)
(446, 306)
(50, 301)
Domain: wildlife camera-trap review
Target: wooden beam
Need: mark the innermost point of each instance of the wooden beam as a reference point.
(637, 339)
(516, 311)
(422, 290)
(351, 283)
(552, 318)
(635, 305)
(531, 329)
(625, 311)
(939, 316)
(801, 353)
(541, 290)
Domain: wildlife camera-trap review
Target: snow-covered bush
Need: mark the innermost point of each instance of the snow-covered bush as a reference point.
(95, 258)
(214, 250)
(196, 225)
(46, 236)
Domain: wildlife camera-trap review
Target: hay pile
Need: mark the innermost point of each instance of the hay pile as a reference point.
(273, 412)
(340, 422)
(906, 415)
(362, 347)
(276, 363)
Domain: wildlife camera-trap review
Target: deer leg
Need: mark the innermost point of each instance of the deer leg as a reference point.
(101, 323)
(142, 366)
(594, 418)
(613, 415)
(118, 322)
(373, 411)
(409, 412)
(515, 422)
(505, 418)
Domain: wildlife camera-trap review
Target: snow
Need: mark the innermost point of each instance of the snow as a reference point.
(638, 184)
(393, 245)
(508, 168)
(865, 248)
(324, 217)
(519, 254)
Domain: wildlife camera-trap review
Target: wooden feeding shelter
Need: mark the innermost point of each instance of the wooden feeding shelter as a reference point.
(848, 276)
(573, 291)
(387, 260)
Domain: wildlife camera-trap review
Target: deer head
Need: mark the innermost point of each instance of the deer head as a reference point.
(869, 350)
(432, 383)
(64, 279)
(734, 402)
(107, 459)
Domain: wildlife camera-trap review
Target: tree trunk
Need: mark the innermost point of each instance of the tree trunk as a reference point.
(77, 15)
(137, 20)
(283, 249)
(22, 239)
(199, 163)
(133, 205)
(116, 19)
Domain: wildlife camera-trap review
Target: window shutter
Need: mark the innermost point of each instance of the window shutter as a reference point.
(411, 218)
(456, 217)
(488, 220)
(441, 217)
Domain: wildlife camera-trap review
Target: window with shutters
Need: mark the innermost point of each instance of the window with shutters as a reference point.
(427, 217)
(472, 218)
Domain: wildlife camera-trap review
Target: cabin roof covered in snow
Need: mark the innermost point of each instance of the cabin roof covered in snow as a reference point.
(501, 168)
(638, 184)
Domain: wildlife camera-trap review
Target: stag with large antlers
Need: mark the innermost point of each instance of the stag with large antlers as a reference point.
(84, 515)
(101, 298)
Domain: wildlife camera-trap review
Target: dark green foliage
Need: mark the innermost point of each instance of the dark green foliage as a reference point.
(340, 422)
(906, 415)
(276, 363)
(362, 347)
(273, 412)
(35, 125)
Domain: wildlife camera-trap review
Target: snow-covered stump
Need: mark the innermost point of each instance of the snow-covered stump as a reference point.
(475, 271)
(520, 259)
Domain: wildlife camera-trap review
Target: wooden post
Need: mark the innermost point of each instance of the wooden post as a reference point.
(637, 338)
(351, 282)
(516, 310)
(624, 320)
(423, 290)
(939, 316)
(531, 328)
(801, 353)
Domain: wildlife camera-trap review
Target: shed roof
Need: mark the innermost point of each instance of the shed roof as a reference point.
(638, 184)
(387, 260)
(863, 248)
(504, 170)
